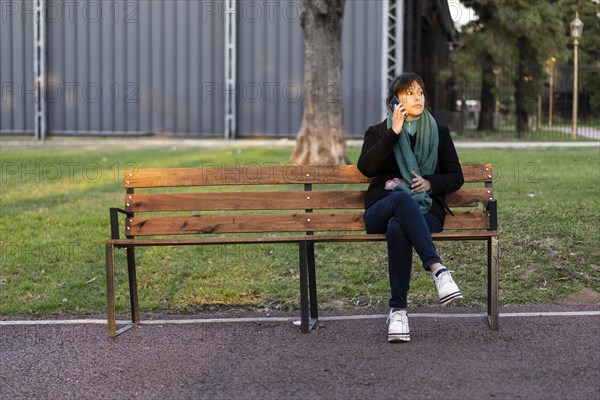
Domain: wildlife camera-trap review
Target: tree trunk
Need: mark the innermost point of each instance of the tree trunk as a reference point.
(488, 97)
(520, 112)
(320, 139)
(523, 90)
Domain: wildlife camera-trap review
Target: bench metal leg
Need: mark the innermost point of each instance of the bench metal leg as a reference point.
(312, 282)
(133, 293)
(493, 271)
(110, 290)
(306, 323)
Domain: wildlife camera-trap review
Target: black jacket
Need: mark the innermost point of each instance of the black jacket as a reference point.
(377, 161)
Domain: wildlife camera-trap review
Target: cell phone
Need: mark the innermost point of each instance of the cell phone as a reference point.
(393, 103)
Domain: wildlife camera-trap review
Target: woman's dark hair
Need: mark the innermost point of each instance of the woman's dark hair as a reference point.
(402, 82)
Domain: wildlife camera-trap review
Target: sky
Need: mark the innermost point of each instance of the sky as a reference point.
(459, 13)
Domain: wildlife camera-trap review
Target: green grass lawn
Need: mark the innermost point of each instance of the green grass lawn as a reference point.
(54, 219)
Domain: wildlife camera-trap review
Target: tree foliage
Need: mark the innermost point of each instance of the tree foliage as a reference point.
(515, 38)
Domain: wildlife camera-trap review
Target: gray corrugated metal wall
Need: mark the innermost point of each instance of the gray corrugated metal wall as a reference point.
(270, 68)
(158, 66)
(16, 69)
(135, 67)
(362, 66)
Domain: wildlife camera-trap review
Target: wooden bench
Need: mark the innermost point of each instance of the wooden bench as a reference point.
(277, 204)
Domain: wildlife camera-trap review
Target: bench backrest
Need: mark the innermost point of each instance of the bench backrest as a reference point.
(320, 198)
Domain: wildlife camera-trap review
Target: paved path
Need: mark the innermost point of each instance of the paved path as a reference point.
(582, 131)
(530, 357)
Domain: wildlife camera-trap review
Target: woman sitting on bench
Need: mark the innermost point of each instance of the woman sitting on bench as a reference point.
(413, 164)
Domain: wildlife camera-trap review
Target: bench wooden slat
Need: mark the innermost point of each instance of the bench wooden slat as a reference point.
(210, 175)
(210, 201)
(467, 220)
(295, 222)
(470, 197)
(246, 223)
(477, 172)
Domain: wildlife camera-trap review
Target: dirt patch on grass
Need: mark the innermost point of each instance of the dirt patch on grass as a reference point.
(584, 296)
(528, 271)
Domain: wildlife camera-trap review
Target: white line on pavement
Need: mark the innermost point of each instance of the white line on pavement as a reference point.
(291, 319)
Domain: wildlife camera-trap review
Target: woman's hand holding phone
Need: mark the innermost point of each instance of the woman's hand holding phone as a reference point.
(399, 114)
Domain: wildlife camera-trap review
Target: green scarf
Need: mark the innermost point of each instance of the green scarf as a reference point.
(424, 158)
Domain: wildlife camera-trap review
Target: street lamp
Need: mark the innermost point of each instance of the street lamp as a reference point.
(576, 32)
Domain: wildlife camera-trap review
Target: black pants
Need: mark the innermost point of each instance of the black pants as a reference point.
(400, 218)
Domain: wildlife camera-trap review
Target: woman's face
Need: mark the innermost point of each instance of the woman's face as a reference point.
(413, 100)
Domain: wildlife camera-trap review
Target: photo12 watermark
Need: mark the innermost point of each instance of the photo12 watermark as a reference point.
(45, 254)
(132, 12)
(71, 11)
(272, 92)
(253, 12)
(63, 171)
(70, 92)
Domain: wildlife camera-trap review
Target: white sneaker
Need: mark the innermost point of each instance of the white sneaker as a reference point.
(447, 290)
(398, 330)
